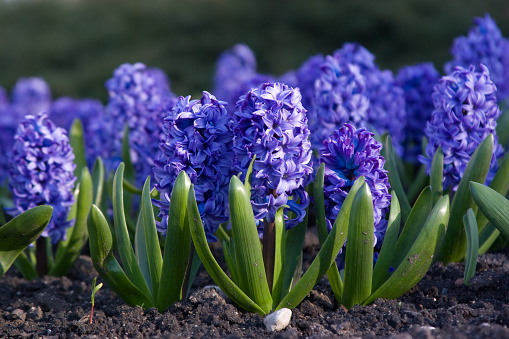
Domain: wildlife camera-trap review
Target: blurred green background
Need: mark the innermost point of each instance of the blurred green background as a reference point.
(75, 45)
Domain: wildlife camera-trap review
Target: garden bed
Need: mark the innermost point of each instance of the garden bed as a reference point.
(440, 306)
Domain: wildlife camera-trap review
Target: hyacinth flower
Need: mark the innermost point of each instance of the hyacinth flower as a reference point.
(485, 45)
(41, 173)
(462, 147)
(199, 141)
(418, 82)
(351, 164)
(139, 98)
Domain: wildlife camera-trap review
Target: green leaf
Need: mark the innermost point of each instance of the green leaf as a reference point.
(98, 180)
(359, 252)
(140, 250)
(418, 183)
(321, 226)
(472, 245)
(437, 175)
(394, 179)
(210, 263)
(327, 254)
(247, 181)
(383, 264)
(294, 243)
(500, 183)
(413, 226)
(229, 256)
(279, 257)
(78, 147)
(195, 265)
(155, 260)
(25, 266)
(177, 245)
(104, 261)
(455, 242)
(77, 236)
(248, 253)
(20, 232)
(419, 258)
(129, 262)
(493, 205)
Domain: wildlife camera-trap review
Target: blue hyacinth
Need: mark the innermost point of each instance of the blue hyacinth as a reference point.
(348, 154)
(141, 98)
(418, 82)
(483, 45)
(198, 140)
(30, 96)
(270, 123)
(466, 112)
(41, 172)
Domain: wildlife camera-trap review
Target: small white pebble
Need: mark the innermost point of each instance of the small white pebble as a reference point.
(278, 320)
(217, 289)
(427, 328)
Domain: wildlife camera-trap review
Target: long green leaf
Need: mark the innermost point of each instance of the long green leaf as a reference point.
(413, 226)
(210, 263)
(155, 260)
(229, 256)
(419, 258)
(383, 264)
(437, 175)
(455, 242)
(472, 245)
(294, 243)
(78, 235)
(248, 253)
(279, 257)
(20, 232)
(493, 205)
(25, 266)
(78, 147)
(327, 254)
(129, 262)
(394, 179)
(248, 179)
(500, 183)
(321, 226)
(140, 250)
(177, 245)
(98, 173)
(101, 252)
(359, 252)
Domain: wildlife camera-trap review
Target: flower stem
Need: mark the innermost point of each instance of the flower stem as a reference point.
(268, 250)
(41, 255)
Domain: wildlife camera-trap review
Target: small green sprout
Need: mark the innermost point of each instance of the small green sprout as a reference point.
(92, 296)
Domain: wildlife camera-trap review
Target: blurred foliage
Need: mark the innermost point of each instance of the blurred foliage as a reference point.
(76, 45)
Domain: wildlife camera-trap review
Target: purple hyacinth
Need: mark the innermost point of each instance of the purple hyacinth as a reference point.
(307, 74)
(466, 112)
(418, 82)
(41, 172)
(31, 96)
(348, 154)
(386, 98)
(483, 45)
(198, 140)
(340, 96)
(236, 74)
(270, 123)
(139, 97)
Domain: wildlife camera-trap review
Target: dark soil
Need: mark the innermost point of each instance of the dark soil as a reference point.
(440, 306)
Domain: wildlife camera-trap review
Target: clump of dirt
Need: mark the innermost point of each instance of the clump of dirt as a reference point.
(440, 306)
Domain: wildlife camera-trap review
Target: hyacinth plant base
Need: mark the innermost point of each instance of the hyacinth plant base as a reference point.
(440, 306)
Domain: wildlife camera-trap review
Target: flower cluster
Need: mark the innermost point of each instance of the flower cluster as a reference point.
(41, 172)
(307, 74)
(348, 154)
(466, 112)
(270, 124)
(484, 45)
(198, 140)
(418, 82)
(339, 96)
(139, 97)
(31, 96)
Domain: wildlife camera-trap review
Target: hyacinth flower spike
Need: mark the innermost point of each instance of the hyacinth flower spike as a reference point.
(41, 171)
(463, 147)
(404, 258)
